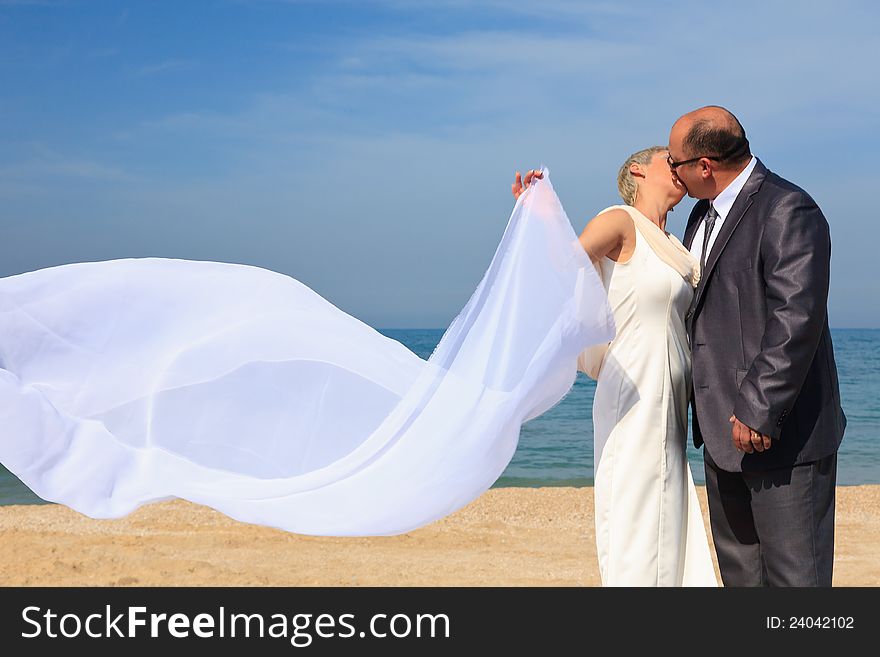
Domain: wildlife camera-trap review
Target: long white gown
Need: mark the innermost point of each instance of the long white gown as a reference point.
(125, 382)
(649, 527)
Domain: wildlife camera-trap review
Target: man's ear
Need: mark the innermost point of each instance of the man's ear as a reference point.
(705, 169)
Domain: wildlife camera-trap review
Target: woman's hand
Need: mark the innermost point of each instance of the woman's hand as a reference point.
(521, 184)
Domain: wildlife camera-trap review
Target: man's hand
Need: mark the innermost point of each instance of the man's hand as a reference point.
(521, 184)
(746, 439)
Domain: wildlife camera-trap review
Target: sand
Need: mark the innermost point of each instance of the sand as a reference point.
(507, 537)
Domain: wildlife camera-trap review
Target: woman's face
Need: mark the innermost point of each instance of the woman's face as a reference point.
(661, 175)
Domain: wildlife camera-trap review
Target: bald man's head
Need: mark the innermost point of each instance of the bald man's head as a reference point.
(713, 131)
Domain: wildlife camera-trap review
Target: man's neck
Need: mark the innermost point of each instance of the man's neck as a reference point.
(727, 177)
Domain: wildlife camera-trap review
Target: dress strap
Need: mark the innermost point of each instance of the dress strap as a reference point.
(665, 245)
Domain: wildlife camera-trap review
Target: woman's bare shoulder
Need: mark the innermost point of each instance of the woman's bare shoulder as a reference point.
(614, 217)
(607, 232)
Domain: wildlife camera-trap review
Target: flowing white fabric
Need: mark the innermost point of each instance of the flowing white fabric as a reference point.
(129, 381)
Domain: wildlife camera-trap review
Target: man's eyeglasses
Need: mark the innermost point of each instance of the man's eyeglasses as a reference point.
(673, 164)
(733, 151)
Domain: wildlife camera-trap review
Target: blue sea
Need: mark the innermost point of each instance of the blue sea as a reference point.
(556, 449)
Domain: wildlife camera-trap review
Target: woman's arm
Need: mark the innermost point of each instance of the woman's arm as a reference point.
(605, 234)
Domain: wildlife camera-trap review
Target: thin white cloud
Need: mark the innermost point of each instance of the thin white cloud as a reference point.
(34, 3)
(549, 8)
(45, 163)
(100, 53)
(167, 65)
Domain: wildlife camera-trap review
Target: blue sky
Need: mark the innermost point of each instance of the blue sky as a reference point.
(331, 141)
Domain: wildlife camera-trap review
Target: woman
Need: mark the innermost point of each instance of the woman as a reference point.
(649, 527)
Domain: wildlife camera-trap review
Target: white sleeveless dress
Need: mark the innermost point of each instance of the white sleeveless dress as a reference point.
(649, 527)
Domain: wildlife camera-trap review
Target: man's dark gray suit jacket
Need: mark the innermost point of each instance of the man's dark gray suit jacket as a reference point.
(758, 329)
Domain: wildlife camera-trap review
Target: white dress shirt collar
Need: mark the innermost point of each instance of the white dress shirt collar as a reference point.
(724, 201)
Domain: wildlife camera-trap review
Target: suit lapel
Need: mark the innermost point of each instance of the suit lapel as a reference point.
(694, 222)
(740, 206)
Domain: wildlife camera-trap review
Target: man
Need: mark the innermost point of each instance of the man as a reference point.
(765, 398)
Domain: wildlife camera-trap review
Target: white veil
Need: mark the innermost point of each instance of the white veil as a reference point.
(128, 381)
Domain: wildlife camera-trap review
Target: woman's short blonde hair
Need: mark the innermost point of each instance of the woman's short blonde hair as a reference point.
(626, 183)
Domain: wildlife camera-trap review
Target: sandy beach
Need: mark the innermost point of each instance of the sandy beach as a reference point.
(507, 537)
